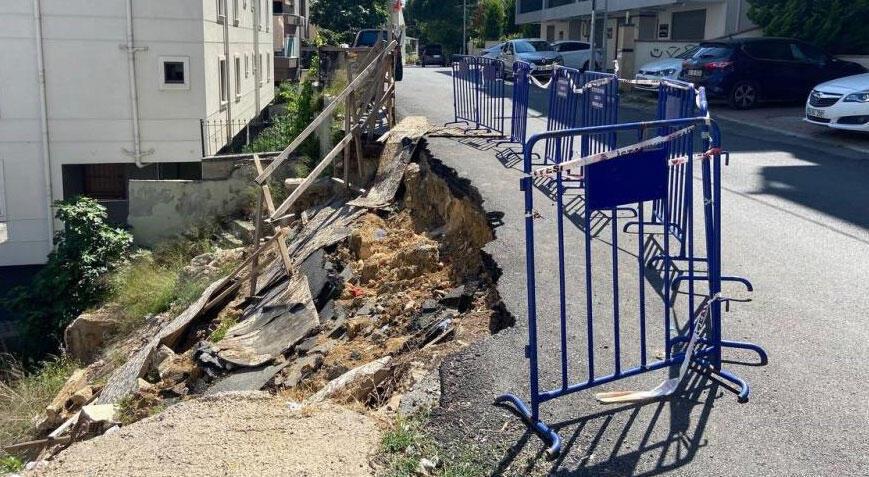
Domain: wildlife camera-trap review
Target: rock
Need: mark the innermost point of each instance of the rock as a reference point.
(429, 306)
(178, 368)
(428, 466)
(299, 370)
(80, 398)
(59, 409)
(307, 345)
(357, 383)
(87, 334)
(458, 298)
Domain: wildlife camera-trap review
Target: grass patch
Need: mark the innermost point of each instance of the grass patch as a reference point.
(10, 464)
(24, 395)
(220, 332)
(403, 446)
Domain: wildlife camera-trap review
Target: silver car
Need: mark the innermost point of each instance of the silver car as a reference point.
(539, 53)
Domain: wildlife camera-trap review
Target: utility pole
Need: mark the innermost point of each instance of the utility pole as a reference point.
(464, 27)
(606, 5)
(593, 61)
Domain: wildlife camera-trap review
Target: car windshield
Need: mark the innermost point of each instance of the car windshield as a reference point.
(532, 46)
(712, 51)
(688, 53)
(369, 37)
(433, 50)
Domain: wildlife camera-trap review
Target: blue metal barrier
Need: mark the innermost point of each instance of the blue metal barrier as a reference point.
(521, 96)
(478, 92)
(599, 300)
(564, 102)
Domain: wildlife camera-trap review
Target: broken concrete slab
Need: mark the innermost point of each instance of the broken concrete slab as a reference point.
(300, 369)
(459, 298)
(247, 380)
(357, 383)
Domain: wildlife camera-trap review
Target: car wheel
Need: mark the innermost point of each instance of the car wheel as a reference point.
(744, 95)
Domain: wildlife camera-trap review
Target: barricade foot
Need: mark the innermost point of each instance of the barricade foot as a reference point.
(744, 281)
(549, 436)
(749, 346)
(744, 389)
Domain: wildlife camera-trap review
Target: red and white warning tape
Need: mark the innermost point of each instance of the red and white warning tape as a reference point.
(613, 154)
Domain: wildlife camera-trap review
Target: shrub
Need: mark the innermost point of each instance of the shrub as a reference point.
(23, 396)
(73, 280)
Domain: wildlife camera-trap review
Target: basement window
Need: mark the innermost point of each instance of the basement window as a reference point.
(105, 181)
(174, 72)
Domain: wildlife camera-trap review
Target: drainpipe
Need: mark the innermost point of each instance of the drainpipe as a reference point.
(229, 66)
(256, 73)
(131, 50)
(43, 105)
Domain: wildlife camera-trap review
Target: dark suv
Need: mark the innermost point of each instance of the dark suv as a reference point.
(432, 55)
(747, 70)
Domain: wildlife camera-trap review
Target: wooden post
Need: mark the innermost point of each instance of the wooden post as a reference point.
(348, 122)
(256, 238)
(280, 233)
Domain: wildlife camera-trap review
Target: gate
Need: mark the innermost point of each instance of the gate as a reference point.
(593, 290)
(478, 92)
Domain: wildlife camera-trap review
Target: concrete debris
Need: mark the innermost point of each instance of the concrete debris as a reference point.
(248, 379)
(428, 466)
(356, 384)
(67, 401)
(300, 369)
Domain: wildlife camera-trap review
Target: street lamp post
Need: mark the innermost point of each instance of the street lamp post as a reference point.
(464, 27)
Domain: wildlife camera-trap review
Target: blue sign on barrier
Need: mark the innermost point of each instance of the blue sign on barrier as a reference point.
(521, 96)
(628, 179)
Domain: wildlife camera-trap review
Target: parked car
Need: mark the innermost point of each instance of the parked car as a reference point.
(665, 68)
(577, 54)
(841, 103)
(748, 70)
(539, 53)
(492, 51)
(432, 55)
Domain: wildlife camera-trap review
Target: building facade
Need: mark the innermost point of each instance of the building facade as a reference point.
(104, 91)
(659, 27)
(291, 28)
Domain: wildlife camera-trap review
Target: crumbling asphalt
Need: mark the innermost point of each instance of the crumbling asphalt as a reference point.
(795, 222)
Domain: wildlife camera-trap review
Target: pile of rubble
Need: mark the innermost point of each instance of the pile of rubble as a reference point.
(387, 284)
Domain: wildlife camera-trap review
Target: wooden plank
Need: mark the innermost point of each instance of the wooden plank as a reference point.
(279, 231)
(323, 116)
(311, 177)
(257, 232)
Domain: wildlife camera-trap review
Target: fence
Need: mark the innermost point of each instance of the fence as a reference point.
(478, 92)
(221, 136)
(592, 291)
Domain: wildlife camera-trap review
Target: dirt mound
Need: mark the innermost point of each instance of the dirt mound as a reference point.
(229, 434)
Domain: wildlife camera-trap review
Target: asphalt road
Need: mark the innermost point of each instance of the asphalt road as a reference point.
(795, 221)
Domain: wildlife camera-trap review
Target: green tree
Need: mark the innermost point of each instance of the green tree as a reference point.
(344, 18)
(839, 26)
(437, 21)
(73, 280)
(489, 19)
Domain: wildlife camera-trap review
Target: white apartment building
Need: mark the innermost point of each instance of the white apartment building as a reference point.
(96, 92)
(661, 27)
(291, 27)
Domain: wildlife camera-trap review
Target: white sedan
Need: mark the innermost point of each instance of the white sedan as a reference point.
(842, 103)
(665, 68)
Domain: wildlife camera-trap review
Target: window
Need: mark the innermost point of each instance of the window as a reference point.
(807, 53)
(221, 11)
(268, 68)
(105, 181)
(224, 88)
(775, 50)
(259, 67)
(690, 25)
(246, 66)
(235, 16)
(267, 19)
(173, 72)
(237, 78)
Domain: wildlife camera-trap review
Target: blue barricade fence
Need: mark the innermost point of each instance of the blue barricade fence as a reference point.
(478, 92)
(521, 96)
(593, 294)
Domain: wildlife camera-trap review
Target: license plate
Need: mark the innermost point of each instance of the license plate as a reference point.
(695, 73)
(818, 113)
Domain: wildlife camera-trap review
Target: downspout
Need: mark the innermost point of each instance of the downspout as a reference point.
(255, 59)
(227, 75)
(137, 152)
(43, 105)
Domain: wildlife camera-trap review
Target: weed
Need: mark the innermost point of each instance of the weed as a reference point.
(24, 395)
(220, 332)
(10, 464)
(406, 444)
